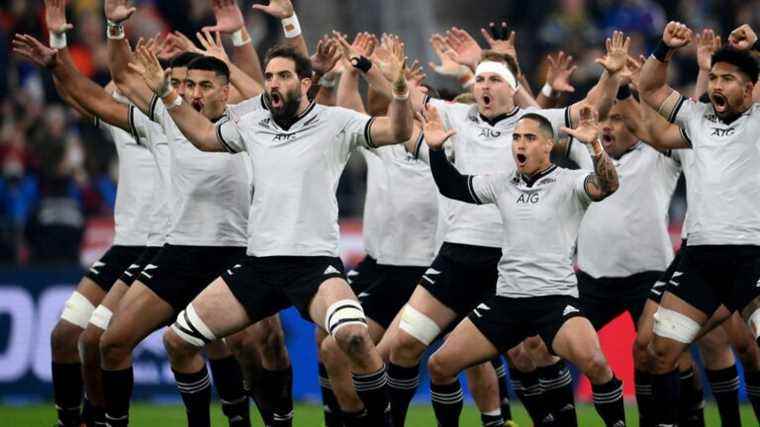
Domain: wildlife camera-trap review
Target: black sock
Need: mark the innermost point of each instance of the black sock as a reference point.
(724, 384)
(752, 384)
(665, 395)
(257, 392)
(355, 419)
(117, 390)
(492, 420)
(67, 392)
(691, 405)
(195, 389)
(448, 401)
(228, 380)
(557, 391)
(608, 401)
(372, 389)
(644, 401)
(527, 387)
(93, 416)
(501, 378)
(330, 407)
(279, 394)
(402, 384)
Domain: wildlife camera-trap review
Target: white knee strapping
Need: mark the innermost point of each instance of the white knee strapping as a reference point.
(418, 325)
(754, 323)
(342, 313)
(77, 310)
(676, 326)
(101, 317)
(191, 328)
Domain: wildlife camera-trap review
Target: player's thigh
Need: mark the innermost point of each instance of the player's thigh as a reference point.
(219, 310)
(577, 341)
(140, 311)
(464, 347)
(329, 292)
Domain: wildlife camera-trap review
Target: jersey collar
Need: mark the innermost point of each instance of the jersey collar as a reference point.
(287, 124)
(532, 179)
(493, 121)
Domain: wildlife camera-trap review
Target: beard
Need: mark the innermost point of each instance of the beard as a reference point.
(285, 114)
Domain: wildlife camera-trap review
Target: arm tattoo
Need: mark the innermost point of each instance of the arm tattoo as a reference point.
(604, 180)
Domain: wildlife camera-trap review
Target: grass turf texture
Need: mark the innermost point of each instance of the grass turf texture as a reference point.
(311, 416)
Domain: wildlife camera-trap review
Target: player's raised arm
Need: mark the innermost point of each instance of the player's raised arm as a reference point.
(707, 44)
(119, 55)
(604, 180)
(245, 85)
(451, 183)
(284, 11)
(602, 96)
(653, 87)
(82, 91)
(558, 75)
(745, 38)
(230, 21)
(196, 127)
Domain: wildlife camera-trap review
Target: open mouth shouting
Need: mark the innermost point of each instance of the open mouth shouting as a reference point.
(720, 103)
(521, 159)
(487, 100)
(276, 101)
(197, 105)
(607, 139)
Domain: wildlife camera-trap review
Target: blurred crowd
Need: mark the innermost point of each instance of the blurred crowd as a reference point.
(57, 171)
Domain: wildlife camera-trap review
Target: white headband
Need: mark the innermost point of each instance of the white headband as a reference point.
(499, 69)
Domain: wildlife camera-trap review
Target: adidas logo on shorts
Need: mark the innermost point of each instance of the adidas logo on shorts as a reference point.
(95, 265)
(569, 309)
(331, 270)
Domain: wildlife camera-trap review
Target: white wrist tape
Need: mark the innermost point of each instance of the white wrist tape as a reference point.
(291, 26)
(78, 310)
(57, 40)
(676, 326)
(114, 30)
(547, 90)
(239, 38)
(418, 325)
(497, 68)
(101, 317)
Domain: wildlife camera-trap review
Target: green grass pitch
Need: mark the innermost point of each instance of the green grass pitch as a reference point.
(311, 416)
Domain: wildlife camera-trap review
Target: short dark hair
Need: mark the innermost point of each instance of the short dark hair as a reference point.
(742, 60)
(303, 64)
(209, 63)
(184, 58)
(543, 123)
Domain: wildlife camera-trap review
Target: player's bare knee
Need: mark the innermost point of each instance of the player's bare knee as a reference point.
(89, 346)
(595, 366)
(177, 348)
(440, 372)
(533, 344)
(353, 340)
(64, 338)
(112, 349)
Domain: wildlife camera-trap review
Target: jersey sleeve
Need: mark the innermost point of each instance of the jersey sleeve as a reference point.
(448, 110)
(487, 188)
(558, 117)
(355, 128)
(229, 135)
(685, 112)
(250, 105)
(579, 179)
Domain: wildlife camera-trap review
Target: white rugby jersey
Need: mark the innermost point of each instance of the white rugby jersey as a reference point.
(134, 189)
(151, 135)
(686, 158)
(627, 233)
(295, 176)
(211, 191)
(723, 190)
(400, 208)
(482, 148)
(541, 221)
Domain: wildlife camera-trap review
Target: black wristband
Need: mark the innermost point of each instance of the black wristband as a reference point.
(361, 63)
(624, 92)
(756, 46)
(661, 51)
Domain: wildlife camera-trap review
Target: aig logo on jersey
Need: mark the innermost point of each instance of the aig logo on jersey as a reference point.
(527, 198)
(282, 138)
(489, 133)
(719, 132)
